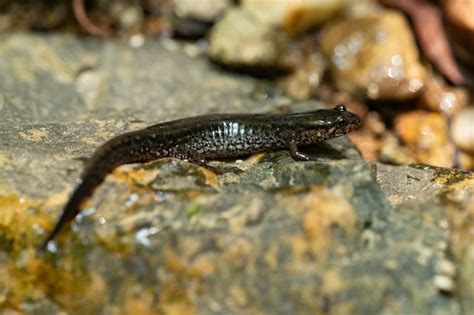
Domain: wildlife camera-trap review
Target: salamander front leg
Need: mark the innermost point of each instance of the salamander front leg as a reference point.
(297, 155)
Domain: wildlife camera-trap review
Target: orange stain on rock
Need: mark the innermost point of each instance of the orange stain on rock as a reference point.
(323, 208)
(132, 175)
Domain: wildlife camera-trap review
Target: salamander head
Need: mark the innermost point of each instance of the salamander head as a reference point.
(342, 121)
(325, 124)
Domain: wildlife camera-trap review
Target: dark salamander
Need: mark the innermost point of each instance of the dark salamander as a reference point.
(202, 138)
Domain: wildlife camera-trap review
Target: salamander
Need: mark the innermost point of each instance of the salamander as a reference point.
(208, 137)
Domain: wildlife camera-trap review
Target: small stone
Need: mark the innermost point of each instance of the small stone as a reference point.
(366, 143)
(367, 139)
(392, 152)
(462, 130)
(202, 10)
(466, 160)
(437, 96)
(447, 268)
(362, 8)
(302, 83)
(131, 17)
(426, 134)
(375, 123)
(374, 56)
(136, 41)
(444, 284)
(88, 86)
(296, 16)
(242, 39)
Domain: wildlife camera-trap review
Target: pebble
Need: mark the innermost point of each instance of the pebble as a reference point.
(295, 17)
(374, 56)
(303, 82)
(88, 84)
(466, 161)
(136, 40)
(202, 10)
(444, 284)
(130, 17)
(426, 135)
(392, 152)
(462, 130)
(241, 39)
(446, 268)
(437, 96)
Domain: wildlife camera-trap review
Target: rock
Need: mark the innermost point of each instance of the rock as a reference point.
(131, 17)
(462, 130)
(377, 143)
(460, 26)
(241, 39)
(374, 56)
(439, 97)
(368, 138)
(250, 38)
(295, 16)
(88, 84)
(363, 8)
(193, 19)
(171, 237)
(392, 152)
(366, 144)
(426, 134)
(434, 189)
(466, 161)
(73, 72)
(204, 10)
(302, 83)
(447, 268)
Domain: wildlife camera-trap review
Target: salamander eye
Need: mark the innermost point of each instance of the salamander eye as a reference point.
(340, 108)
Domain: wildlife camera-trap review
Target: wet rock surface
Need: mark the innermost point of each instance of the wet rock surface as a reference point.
(333, 235)
(374, 56)
(295, 17)
(426, 135)
(439, 97)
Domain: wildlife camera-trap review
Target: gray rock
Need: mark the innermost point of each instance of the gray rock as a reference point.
(204, 10)
(330, 235)
(47, 106)
(243, 40)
